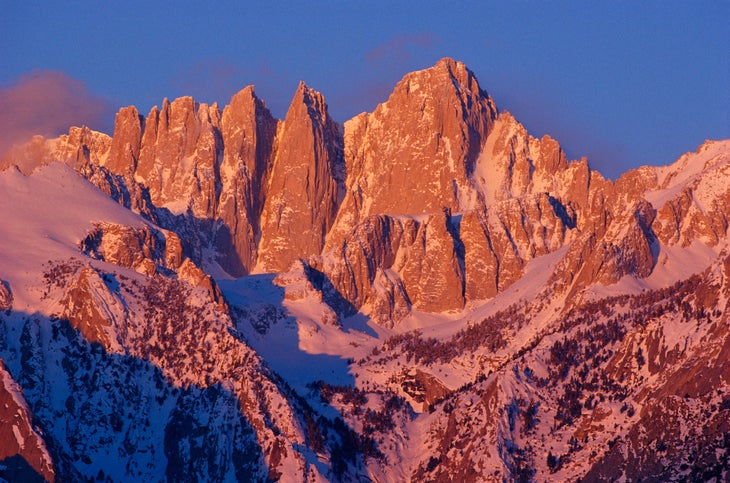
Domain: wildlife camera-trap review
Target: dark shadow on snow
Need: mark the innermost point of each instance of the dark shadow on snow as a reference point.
(88, 403)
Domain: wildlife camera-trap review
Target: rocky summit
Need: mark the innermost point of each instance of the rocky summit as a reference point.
(423, 293)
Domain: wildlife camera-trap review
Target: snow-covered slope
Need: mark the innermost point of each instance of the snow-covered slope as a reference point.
(116, 364)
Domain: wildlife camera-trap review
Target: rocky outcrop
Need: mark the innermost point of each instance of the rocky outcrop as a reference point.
(432, 271)
(23, 453)
(92, 308)
(303, 190)
(248, 131)
(423, 388)
(143, 249)
(6, 296)
(415, 153)
(389, 300)
(148, 251)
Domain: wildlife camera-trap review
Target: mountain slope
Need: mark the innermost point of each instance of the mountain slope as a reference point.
(86, 337)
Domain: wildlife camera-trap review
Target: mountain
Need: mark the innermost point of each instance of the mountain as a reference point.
(425, 292)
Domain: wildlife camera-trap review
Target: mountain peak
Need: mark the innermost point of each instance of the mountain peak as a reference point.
(455, 67)
(246, 92)
(243, 99)
(446, 73)
(303, 186)
(312, 99)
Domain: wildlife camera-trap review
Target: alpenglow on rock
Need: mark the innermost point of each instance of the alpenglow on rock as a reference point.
(433, 201)
(304, 185)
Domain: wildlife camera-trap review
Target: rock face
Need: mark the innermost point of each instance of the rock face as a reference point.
(178, 159)
(127, 141)
(248, 131)
(697, 200)
(433, 272)
(148, 251)
(303, 190)
(91, 307)
(23, 453)
(143, 249)
(416, 153)
(6, 296)
(481, 266)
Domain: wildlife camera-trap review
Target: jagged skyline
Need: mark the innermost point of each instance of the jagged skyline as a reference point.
(621, 89)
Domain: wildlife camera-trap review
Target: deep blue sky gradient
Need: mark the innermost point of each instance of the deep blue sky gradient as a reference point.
(622, 82)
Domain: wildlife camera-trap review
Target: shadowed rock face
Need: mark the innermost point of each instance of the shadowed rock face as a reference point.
(90, 306)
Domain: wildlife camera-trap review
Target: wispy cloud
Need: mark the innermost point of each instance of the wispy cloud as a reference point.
(542, 112)
(400, 49)
(211, 80)
(217, 80)
(48, 103)
(379, 71)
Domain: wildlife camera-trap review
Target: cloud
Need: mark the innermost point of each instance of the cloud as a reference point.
(399, 49)
(373, 78)
(542, 112)
(210, 80)
(217, 80)
(48, 103)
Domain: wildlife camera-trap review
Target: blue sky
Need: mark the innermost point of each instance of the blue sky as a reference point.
(623, 83)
